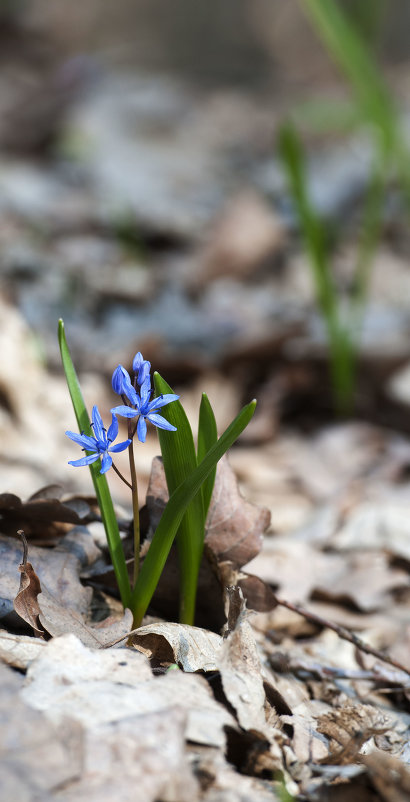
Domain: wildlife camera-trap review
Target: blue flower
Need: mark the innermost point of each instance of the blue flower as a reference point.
(100, 444)
(145, 409)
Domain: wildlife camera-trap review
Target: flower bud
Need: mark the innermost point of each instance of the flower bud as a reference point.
(141, 367)
(120, 380)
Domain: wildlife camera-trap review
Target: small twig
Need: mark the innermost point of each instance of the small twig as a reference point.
(343, 633)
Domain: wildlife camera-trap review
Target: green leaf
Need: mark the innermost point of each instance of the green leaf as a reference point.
(207, 437)
(179, 458)
(99, 480)
(174, 511)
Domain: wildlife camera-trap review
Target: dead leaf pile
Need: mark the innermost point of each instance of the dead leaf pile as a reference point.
(245, 705)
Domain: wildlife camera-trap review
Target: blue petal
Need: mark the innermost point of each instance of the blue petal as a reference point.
(141, 430)
(126, 412)
(159, 421)
(98, 426)
(106, 462)
(84, 460)
(145, 391)
(131, 394)
(83, 440)
(162, 400)
(113, 430)
(120, 446)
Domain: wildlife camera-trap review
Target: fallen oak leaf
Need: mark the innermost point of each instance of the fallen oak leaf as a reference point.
(26, 601)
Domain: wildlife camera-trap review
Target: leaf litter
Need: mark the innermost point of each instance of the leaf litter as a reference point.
(273, 699)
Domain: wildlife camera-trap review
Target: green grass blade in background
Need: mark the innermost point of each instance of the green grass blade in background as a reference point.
(207, 437)
(352, 56)
(291, 154)
(99, 480)
(174, 511)
(341, 346)
(179, 457)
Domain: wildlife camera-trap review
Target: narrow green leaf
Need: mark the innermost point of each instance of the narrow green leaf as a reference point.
(207, 437)
(99, 480)
(340, 350)
(353, 57)
(174, 511)
(179, 457)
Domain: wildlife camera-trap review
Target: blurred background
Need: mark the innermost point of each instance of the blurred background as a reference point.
(144, 198)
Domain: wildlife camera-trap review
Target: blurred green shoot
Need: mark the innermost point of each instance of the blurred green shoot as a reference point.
(372, 107)
(342, 317)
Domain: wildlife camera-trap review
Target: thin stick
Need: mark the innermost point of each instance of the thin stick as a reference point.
(343, 633)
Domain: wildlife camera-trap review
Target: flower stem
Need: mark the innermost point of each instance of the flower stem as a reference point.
(121, 476)
(135, 511)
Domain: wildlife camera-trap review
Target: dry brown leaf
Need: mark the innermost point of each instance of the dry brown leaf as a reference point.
(59, 620)
(362, 579)
(26, 603)
(192, 648)
(235, 527)
(36, 756)
(97, 687)
(19, 650)
(294, 566)
(389, 776)
(141, 758)
(45, 514)
(349, 727)
(242, 680)
(58, 569)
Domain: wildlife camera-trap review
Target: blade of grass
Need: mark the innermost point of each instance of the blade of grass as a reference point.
(174, 511)
(179, 458)
(340, 345)
(207, 437)
(99, 480)
(355, 60)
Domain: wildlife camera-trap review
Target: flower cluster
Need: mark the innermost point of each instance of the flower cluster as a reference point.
(135, 405)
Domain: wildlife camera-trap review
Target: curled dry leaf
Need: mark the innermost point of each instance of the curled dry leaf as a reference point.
(26, 603)
(192, 648)
(244, 686)
(58, 569)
